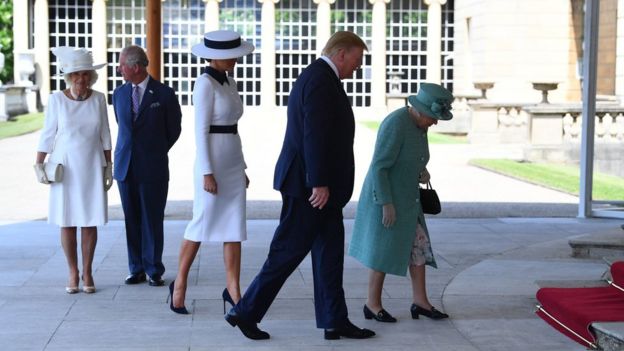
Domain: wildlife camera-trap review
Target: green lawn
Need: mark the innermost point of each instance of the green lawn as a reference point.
(434, 138)
(22, 124)
(555, 176)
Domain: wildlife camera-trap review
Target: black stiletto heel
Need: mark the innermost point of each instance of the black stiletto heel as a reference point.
(179, 310)
(226, 297)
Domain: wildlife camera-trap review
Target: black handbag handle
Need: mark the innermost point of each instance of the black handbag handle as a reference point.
(428, 185)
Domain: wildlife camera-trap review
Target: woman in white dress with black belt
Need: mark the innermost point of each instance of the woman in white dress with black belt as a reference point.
(76, 135)
(219, 213)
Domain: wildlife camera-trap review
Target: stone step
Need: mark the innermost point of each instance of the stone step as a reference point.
(571, 283)
(609, 335)
(598, 245)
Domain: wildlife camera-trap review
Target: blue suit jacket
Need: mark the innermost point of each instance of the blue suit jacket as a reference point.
(318, 145)
(147, 140)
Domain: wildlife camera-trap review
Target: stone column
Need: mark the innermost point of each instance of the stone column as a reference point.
(323, 23)
(378, 54)
(434, 40)
(99, 38)
(267, 54)
(42, 48)
(20, 35)
(153, 30)
(211, 15)
(619, 51)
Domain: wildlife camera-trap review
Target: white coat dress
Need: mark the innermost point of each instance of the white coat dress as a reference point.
(220, 217)
(75, 134)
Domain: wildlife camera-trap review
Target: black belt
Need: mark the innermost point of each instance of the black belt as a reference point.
(233, 129)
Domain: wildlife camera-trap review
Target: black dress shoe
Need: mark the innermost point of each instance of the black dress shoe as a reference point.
(135, 278)
(156, 281)
(433, 313)
(348, 330)
(250, 330)
(381, 316)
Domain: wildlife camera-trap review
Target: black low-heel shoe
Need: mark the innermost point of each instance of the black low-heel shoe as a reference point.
(381, 316)
(179, 310)
(433, 313)
(226, 297)
(250, 330)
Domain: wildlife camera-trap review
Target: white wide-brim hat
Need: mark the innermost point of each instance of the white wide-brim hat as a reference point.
(222, 45)
(70, 59)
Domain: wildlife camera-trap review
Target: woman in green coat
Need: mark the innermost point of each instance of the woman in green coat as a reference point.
(390, 233)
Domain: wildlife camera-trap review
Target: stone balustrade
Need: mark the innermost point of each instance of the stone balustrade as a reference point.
(542, 124)
(551, 132)
(498, 123)
(609, 127)
(547, 132)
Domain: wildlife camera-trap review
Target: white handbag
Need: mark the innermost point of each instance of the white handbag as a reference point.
(53, 172)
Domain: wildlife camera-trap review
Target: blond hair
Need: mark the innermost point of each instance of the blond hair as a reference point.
(93, 76)
(342, 40)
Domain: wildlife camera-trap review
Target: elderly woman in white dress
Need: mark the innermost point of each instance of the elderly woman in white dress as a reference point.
(76, 135)
(220, 178)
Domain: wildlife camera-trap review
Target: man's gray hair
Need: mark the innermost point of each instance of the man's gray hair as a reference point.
(68, 82)
(135, 55)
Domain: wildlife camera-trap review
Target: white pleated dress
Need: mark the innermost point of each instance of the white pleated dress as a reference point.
(219, 217)
(75, 134)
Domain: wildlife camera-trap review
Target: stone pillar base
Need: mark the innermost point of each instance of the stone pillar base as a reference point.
(12, 101)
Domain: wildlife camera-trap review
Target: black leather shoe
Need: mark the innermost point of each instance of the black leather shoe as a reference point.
(433, 313)
(156, 281)
(135, 278)
(381, 316)
(348, 330)
(250, 330)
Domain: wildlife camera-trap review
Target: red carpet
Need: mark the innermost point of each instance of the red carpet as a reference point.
(572, 310)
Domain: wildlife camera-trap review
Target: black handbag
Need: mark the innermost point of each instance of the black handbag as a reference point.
(429, 200)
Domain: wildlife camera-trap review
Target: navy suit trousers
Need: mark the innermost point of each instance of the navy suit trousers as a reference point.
(144, 209)
(302, 229)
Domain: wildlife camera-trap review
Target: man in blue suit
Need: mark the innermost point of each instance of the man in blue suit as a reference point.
(314, 173)
(149, 119)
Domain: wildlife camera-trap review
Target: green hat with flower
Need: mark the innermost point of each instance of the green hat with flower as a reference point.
(433, 100)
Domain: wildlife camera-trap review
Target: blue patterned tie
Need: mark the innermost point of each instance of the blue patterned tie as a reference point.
(135, 102)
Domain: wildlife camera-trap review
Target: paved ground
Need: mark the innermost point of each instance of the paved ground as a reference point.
(489, 264)
(486, 282)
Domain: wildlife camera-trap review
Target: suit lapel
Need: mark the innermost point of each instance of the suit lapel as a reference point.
(125, 103)
(337, 80)
(148, 96)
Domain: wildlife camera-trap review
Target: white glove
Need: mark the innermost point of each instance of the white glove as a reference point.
(425, 177)
(41, 174)
(108, 176)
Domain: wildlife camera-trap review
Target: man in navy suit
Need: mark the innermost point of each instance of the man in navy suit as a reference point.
(149, 119)
(314, 173)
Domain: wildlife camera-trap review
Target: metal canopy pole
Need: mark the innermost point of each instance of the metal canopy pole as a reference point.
(590, 54)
